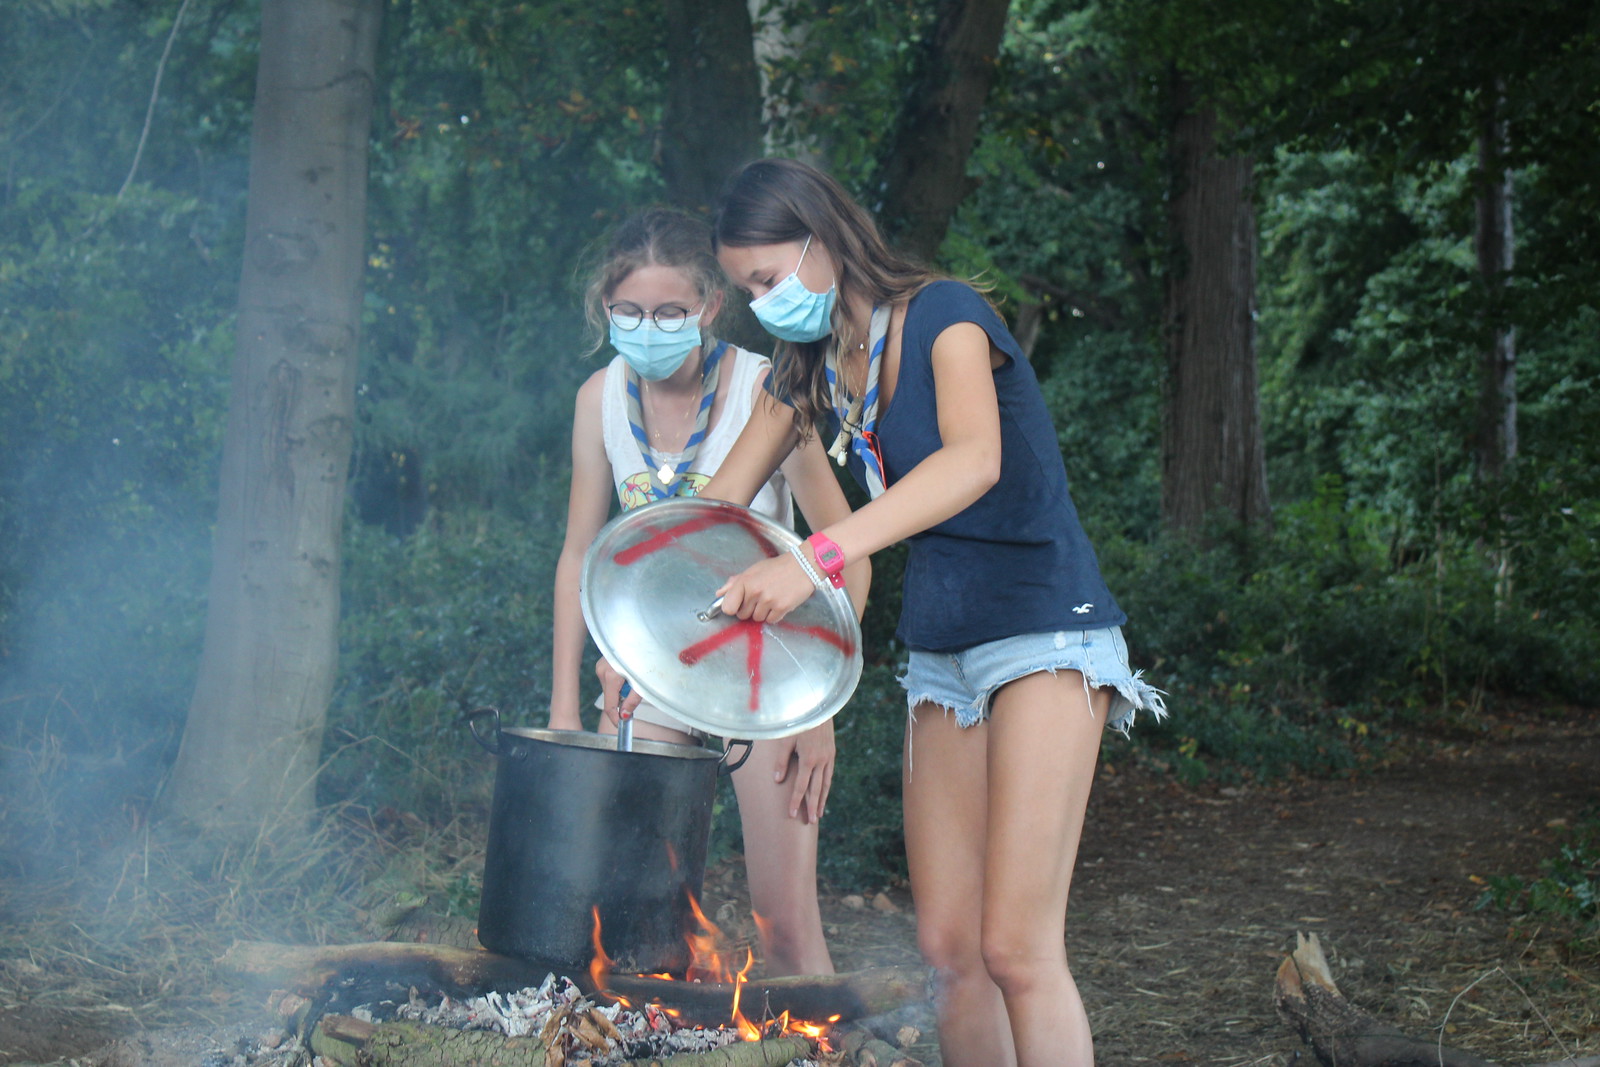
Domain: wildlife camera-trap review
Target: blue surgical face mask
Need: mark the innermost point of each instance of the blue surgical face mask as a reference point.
(655, 353)
(791, 312)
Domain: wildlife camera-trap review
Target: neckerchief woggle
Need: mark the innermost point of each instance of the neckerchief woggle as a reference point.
(665, 477)
(858, 416)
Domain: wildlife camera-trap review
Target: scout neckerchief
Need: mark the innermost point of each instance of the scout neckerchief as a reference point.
(858, 416)
(665, 476)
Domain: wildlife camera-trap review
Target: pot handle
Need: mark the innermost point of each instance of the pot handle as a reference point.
(723, 766)
(498, 747)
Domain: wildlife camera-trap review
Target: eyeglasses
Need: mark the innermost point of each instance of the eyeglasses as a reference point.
(669, 318)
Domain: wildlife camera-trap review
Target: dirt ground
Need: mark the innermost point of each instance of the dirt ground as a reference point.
(1186, 900)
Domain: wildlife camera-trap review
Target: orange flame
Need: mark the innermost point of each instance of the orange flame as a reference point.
(600, 966)
(709, 964)
(705, 961)
(748, 1031)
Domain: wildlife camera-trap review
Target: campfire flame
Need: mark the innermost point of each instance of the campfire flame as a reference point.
(600, 966)
(708, 963)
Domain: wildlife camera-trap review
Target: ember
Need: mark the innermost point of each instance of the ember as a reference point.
(561, 1017)
(710, 963)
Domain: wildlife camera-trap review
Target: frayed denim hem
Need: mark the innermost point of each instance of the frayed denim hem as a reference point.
(1134, 695)
(964, 683)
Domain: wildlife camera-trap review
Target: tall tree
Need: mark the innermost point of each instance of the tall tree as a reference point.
(711, 119)
(1494, 240)
(923, 168)
(1213, 458)
(251, 745)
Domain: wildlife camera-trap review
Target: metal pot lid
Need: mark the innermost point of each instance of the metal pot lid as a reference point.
(651, 573)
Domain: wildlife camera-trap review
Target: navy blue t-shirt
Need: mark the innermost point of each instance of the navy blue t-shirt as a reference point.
(1016, 561)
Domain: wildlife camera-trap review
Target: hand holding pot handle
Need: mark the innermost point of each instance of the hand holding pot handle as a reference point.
(615, 700)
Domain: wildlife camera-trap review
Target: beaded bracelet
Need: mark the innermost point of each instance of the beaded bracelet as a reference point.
(799, 553)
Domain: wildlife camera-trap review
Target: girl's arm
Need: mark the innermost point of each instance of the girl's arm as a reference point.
(767, 438)
(588, 507)
(812, 753)
(949, 480)
(822, 502)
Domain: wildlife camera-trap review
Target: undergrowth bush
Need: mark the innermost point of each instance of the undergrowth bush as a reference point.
(1567, 890)
(1306, 646)
(862, 841)
(455, 618)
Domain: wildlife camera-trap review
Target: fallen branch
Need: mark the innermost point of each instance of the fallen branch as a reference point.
(866, 1050)
(1342, 1035)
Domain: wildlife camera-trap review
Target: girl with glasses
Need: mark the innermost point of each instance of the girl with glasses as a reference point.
(1017, 662)
(656, 422)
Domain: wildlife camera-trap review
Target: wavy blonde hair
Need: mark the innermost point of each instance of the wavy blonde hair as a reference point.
(658, 236)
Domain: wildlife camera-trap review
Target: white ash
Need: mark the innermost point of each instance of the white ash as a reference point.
(557, 1011)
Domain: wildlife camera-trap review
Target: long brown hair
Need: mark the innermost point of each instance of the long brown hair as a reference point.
(774, 201)
(658, 236)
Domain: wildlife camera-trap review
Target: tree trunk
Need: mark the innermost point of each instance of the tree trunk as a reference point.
(1213, 458)
(923, 170)
(250, 747)
(782, 30)
(1494, 244)
(711, 124)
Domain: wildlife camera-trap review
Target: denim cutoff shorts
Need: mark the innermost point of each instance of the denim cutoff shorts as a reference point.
(964, 682)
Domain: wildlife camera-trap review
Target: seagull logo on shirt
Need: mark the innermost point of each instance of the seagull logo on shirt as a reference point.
(1083, 609)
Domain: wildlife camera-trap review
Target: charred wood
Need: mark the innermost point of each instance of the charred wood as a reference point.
(309, 969)
(814, 996)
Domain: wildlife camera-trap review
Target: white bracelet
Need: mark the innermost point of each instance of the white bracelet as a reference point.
(799, 553)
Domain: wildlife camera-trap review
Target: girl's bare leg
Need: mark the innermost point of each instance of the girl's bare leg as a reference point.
(780, 857)
(1044, 741)
(944, 777)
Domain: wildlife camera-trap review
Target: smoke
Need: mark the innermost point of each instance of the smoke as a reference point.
(101, 639)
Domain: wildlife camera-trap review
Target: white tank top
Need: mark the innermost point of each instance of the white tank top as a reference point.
(628, 471)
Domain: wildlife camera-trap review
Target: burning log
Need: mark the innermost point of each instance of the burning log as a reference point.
(855, 995)
(1342, 1035)
(347, 1042)
(309, 969)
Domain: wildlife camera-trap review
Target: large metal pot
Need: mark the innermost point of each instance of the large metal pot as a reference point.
(578, 827)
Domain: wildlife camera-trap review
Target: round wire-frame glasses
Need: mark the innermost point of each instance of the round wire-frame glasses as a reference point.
(669, 318)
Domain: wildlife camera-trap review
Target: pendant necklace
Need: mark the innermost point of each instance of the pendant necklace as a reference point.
(665, 474)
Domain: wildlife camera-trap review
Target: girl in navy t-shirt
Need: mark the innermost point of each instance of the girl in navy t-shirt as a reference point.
(1017, 662)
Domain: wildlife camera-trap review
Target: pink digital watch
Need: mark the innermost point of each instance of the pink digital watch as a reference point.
(830, 557)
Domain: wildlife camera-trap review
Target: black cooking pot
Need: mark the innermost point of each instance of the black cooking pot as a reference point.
(577, 826)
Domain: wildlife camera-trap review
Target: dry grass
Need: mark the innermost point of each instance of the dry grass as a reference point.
(115, 914)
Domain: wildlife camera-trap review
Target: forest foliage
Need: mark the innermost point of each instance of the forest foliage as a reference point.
(509, 136)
